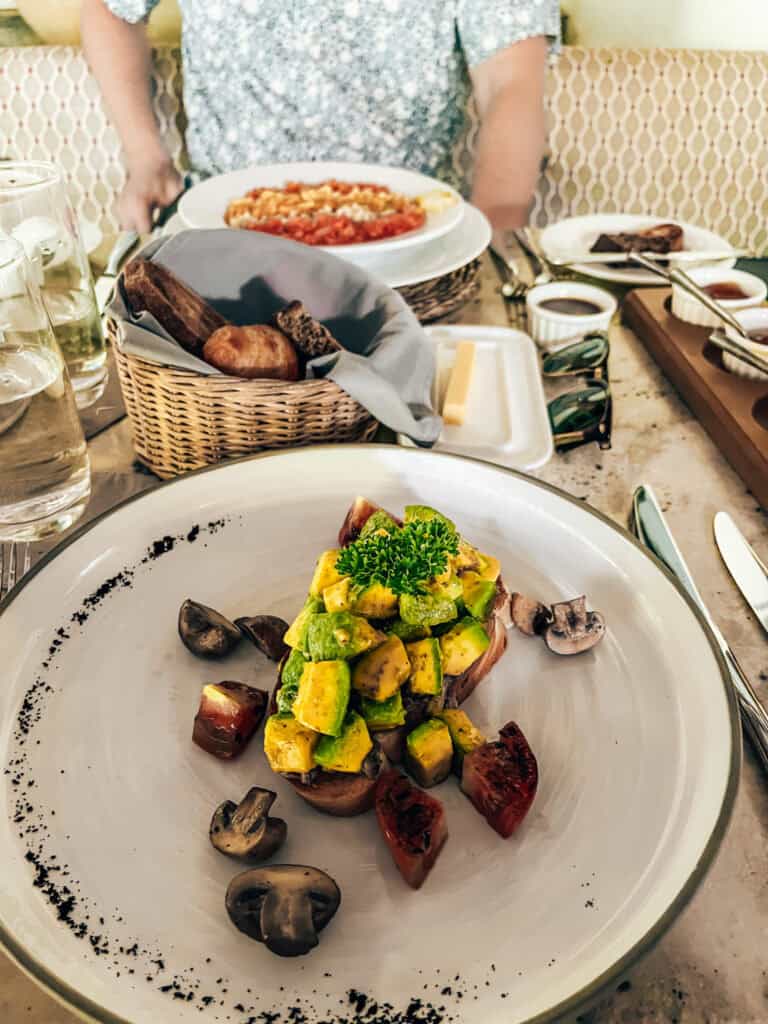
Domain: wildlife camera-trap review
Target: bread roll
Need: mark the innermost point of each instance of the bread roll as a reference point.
(252, 352)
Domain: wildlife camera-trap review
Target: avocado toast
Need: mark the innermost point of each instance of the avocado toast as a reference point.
(402, 620)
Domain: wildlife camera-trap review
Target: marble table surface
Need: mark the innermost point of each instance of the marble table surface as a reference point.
(711, 966)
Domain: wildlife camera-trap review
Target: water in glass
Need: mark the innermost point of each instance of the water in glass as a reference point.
(44, 470)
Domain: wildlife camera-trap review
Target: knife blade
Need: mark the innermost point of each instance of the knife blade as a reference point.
(748, 572)
(650, 527)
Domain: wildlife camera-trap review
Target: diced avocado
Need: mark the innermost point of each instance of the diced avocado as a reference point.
(380, 520)
(325, 574)
(289, 679)
(426, 609)
(296, 634)
(490, 568)
(462, 645)
(289, 746)
(467, 559)
(426, 666)
(323, 696)
(348, 750)
(333, 635)
(338, 598)
(375, 602)
(479, 595)
(380, 673)
(407, 631)
(425, 513)
(446, 585)
(383, 714)
(429, 752)
(464, 735)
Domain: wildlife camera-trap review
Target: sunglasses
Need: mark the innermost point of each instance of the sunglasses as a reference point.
(579, 417)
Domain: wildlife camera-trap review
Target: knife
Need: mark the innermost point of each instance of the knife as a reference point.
(126, 242)
(749, 573)
(651, 529)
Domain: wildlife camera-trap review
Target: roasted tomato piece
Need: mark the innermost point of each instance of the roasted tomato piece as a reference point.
(413, 824)
(500, 778)
(229, 714)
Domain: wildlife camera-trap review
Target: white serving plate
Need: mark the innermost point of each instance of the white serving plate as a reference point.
(462, 244)
(204, 205)
(578, 234)
(506, 420)
(638, 746)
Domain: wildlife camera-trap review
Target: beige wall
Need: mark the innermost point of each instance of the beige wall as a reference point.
(699, 24)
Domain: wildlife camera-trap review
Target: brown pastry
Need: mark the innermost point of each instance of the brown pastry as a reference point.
(661, 238)
(257, 351)
(307, 334)
(189, 319)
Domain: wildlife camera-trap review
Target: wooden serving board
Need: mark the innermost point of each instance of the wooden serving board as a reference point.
(732, 409)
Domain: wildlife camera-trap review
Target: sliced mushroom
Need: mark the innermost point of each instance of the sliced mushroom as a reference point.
(267, 632)
(245, 830)
(206, 632)
(529, 616)
(283, 906)
(573, 629)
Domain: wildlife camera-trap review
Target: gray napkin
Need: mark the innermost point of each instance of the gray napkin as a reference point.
(388, 363)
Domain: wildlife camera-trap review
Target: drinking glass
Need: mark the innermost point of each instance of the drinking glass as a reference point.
(35, 209)
(45, 478)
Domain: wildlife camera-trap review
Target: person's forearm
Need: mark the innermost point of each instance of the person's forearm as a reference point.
(119, 56)
(508, 161)
(509, 92)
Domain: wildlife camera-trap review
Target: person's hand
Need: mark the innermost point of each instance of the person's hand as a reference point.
(152, 183)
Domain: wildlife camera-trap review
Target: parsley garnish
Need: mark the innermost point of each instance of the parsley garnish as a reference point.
(402, 560)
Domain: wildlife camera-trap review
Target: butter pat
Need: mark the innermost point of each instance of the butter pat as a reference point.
(459, 384)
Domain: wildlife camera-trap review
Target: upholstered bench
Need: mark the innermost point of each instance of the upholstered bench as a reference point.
(664, 132)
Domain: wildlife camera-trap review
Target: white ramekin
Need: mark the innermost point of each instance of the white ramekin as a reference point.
(686, 307)
(549, 329)
(750, 320)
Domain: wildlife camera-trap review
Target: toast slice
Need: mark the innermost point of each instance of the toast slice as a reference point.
(309, 336)
(188, 318)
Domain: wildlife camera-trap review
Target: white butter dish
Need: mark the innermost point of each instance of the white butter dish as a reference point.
(506, 419)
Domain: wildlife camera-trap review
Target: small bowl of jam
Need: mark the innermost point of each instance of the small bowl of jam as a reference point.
(733, 289)
(755, 323)
(567, 310)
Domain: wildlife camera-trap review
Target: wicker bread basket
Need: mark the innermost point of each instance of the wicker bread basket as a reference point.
(183, 420)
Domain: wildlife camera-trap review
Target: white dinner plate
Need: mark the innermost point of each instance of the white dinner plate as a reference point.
(578, 234)
(204, 205)
(462, 244)
(106, 801)
(506, 420)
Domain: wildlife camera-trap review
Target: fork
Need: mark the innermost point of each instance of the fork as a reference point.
(512, 289)
(15, 561)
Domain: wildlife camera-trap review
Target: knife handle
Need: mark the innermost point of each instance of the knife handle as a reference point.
(651, 528)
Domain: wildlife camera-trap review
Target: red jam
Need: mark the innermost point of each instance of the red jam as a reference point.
(727, 290)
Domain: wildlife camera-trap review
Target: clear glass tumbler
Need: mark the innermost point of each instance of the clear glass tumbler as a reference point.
(45, 478)
(35, 209)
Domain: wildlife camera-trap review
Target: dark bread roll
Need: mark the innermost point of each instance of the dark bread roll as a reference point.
(309, 336)
(252, 352)
(188, 318)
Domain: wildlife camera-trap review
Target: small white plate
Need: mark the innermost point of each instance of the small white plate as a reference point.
(506, 420)
(578, 234)
(204, 205)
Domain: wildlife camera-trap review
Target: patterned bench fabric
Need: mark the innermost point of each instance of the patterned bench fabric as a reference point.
(680, 133)
(665, 132)
(50, 109)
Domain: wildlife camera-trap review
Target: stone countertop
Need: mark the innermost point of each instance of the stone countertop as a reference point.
(711, 965)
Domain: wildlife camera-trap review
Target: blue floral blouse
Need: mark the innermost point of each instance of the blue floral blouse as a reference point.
(379, 81)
